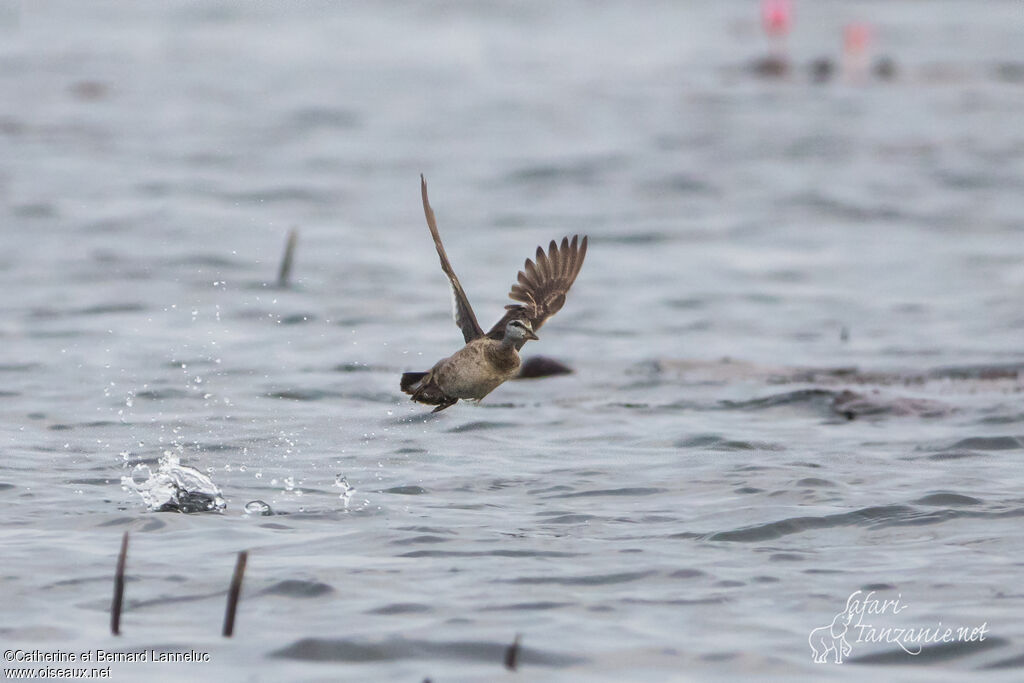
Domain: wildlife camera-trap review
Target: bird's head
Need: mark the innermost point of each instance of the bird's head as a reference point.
(519, 331)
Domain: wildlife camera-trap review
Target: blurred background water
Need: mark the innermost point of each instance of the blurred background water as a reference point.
(796, 338)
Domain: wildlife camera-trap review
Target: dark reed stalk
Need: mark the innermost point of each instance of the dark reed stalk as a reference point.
(512, 654)
(284, 273)
(234, 593)
(115, 606)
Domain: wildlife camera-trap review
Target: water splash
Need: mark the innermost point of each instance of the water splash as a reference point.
(174, 487)
(346, 489)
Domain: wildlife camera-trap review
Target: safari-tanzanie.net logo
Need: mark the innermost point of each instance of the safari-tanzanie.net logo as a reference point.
(864, 620)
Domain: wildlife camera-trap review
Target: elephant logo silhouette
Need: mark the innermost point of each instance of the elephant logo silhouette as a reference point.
(832, 638)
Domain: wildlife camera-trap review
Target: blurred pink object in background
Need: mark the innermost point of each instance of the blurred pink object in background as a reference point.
(776, 16)
(856, 42)
(856, 37)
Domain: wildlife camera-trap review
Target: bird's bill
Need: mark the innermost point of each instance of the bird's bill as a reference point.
(531, 335)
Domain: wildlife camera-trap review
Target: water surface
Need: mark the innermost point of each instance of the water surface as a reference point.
(796, 338)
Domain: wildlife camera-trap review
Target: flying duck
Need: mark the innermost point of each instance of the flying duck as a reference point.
(489, 359)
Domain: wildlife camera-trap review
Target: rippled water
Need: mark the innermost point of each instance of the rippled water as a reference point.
(796, 339)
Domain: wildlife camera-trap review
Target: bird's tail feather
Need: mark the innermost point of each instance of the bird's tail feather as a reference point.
(410, 380)
(423, 389)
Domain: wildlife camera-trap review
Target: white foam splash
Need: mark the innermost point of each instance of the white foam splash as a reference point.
(174, 487)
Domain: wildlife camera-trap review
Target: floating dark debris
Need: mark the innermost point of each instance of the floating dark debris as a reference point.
(884, 68)
(542, 366)
(822, 70)
(772, 66)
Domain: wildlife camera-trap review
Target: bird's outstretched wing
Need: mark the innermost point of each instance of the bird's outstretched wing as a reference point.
(542, 285)
(463, 312)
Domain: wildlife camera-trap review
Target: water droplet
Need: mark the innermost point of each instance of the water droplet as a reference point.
(258, 507)
(141, 474)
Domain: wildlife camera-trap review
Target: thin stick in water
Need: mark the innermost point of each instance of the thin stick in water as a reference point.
(115, 606)
(285, 272)
(512, 654)
(234, 593)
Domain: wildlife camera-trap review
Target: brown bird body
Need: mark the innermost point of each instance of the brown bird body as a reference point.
(488, 360)
(477, 369)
